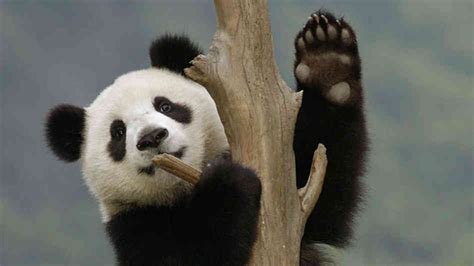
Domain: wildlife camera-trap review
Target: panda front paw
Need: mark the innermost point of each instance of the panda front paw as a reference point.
(327, 58)
(223, 179)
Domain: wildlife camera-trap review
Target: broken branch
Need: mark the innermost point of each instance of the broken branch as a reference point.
(176, 167)
(309, 194)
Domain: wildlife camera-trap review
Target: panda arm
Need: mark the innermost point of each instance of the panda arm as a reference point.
(224, 209)
(216, 225)
(327, 69)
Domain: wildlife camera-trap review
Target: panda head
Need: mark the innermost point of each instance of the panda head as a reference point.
(142, 114)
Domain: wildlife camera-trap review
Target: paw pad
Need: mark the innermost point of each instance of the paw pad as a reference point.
(326, 57)
(339, 93)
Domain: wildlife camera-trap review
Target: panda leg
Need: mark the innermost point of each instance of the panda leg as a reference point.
(225, 206)
(327, 69)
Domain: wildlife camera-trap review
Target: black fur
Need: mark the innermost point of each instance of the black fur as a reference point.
(179, 112)
(116, 146)
(215, 225)
(342, 129)
(173, 52)
(64, 126)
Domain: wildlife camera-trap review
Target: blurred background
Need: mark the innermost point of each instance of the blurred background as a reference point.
(418, 75)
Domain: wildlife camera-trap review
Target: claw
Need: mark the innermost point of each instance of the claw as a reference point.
(325, 19)
(316, 17)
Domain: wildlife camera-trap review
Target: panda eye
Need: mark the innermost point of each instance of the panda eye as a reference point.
(117, 130)
(165, 108)
(118, 133)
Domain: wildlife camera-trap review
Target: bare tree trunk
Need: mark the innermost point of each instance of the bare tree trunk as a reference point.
(259, 115)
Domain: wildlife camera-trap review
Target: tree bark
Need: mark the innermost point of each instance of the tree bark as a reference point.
(259, 112)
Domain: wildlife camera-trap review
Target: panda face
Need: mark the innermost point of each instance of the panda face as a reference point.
(142, 114)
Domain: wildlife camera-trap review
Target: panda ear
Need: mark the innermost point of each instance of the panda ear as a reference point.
(173, 52)
(64, 131)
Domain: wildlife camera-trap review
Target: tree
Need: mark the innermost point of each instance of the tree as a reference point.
(259, 113)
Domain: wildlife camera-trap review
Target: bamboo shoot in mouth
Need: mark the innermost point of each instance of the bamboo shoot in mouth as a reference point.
(177, 167)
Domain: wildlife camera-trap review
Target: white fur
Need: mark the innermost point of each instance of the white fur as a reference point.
(331, 251)
(130, 98)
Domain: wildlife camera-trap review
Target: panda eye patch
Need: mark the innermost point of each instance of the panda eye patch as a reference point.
(116, 146)
(117, 129)
(177, 111)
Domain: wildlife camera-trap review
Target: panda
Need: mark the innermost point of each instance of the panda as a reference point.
(327, 69)
(154, 218)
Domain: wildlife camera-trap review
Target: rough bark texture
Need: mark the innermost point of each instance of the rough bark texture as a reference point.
(259, 112)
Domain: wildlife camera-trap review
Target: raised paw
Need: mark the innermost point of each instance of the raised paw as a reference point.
(327, 58)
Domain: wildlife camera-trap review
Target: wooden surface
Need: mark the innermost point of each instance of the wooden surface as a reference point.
(177, 167)
(259, 112)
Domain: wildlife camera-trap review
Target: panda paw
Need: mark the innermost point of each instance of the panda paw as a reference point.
(327, 58)
(224, 179)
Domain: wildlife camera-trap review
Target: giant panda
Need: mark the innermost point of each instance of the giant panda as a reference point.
(327, 69)
(154, 218)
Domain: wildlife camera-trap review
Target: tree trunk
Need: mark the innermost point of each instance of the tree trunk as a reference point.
(259, 112)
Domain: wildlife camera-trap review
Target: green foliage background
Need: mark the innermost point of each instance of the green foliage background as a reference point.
(418, 74)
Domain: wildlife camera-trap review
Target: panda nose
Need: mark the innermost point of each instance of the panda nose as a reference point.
(152, 139)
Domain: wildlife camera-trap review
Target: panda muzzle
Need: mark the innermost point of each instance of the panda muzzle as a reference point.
(152, 139)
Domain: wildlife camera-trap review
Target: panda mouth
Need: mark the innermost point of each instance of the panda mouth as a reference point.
(178, 154)
(150, 170)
